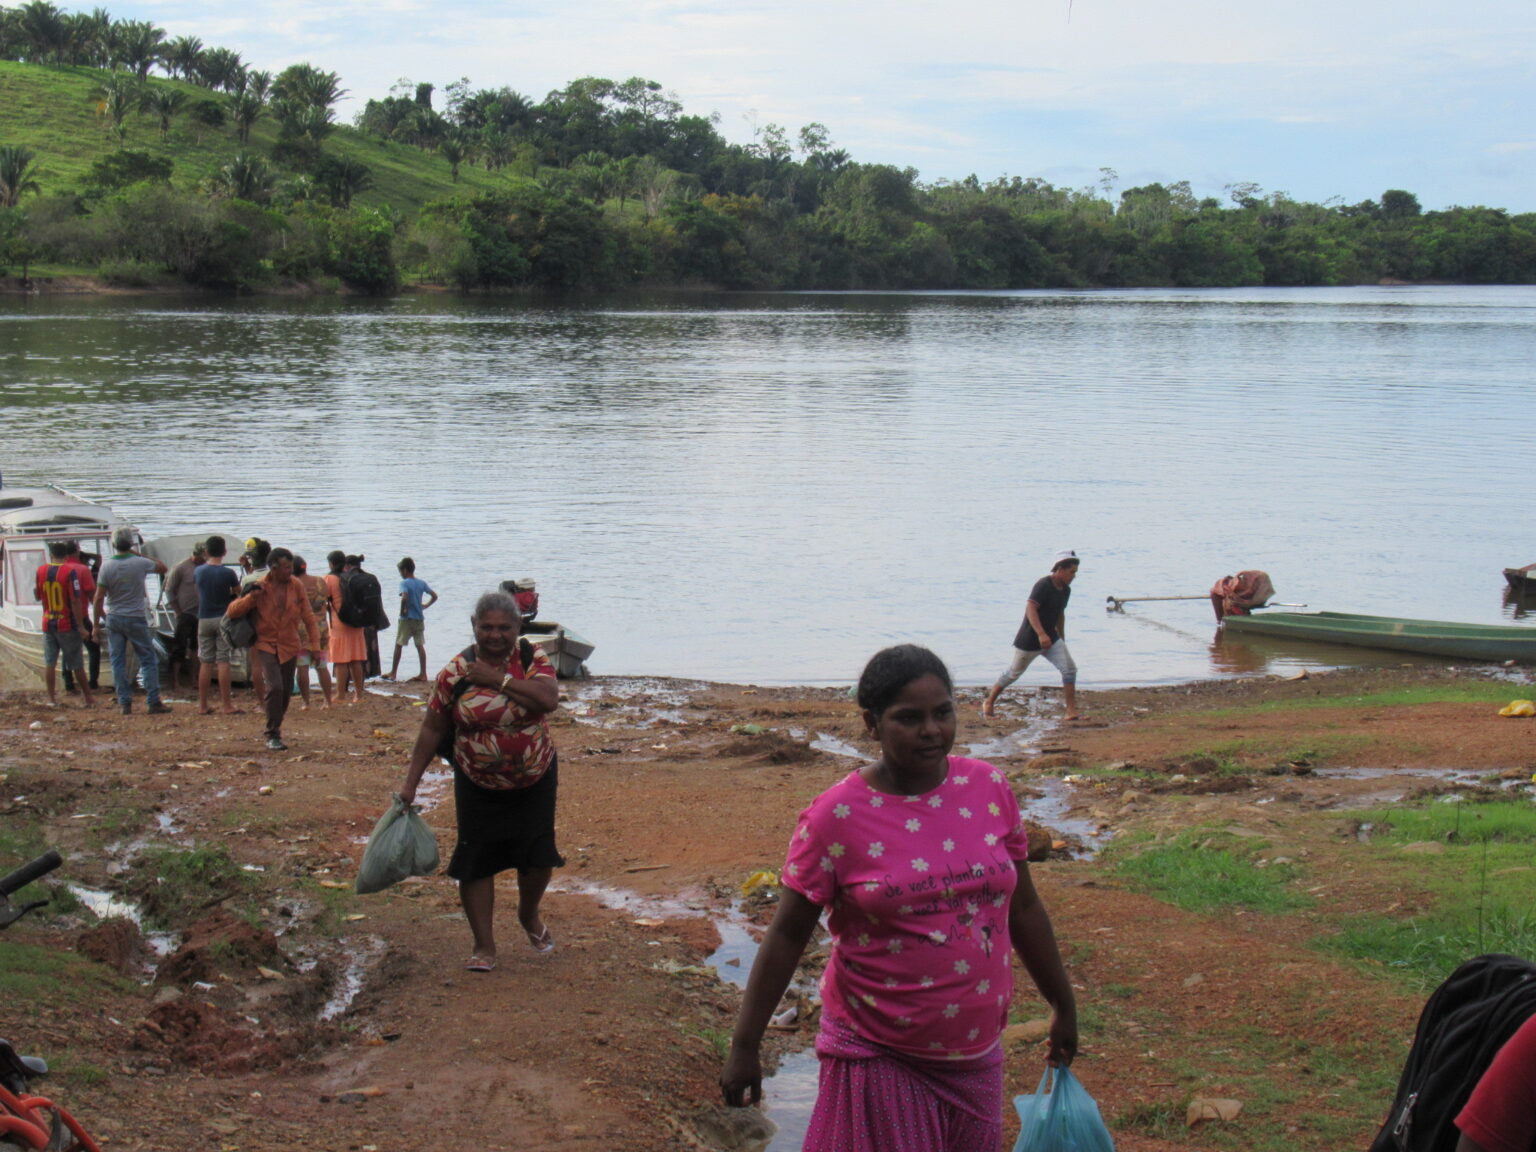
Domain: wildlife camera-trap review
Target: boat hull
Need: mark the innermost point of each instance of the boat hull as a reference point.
(566, 650)
(1488, 642)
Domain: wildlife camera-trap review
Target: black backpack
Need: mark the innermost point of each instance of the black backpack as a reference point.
(445, 745)
(362, 601)
(1465, 1023)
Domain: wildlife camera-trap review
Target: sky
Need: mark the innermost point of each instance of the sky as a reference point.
(1314, 98)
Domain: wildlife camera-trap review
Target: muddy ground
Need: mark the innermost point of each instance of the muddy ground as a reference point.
(292, 1013)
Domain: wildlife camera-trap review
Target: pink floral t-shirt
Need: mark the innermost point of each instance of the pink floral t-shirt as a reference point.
(918, 888)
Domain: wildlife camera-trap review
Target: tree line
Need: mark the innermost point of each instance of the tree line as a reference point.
(604, 183)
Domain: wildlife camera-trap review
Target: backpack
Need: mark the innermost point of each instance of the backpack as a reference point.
(1464, 1024)
(362, 603)
(239, 631)
(445, 744)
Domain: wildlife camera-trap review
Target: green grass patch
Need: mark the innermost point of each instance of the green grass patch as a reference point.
(1473, 693)
(1482, 886)
(1206, 870)
(30, 973)
(175, 884)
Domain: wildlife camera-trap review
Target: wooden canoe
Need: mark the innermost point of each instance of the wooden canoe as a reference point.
(1496, 642)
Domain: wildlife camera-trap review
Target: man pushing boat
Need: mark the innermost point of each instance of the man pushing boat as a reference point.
(1043, 634)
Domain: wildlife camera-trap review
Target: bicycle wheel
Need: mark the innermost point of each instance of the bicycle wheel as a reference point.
(67, 1134)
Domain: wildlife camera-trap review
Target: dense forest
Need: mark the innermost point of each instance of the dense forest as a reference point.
(151, 160)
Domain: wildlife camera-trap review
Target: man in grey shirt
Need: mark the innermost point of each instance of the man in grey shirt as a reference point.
(121, 587)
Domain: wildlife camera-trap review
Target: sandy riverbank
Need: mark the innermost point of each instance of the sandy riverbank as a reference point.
(262, 1031)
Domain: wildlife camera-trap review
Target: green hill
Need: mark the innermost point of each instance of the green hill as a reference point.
(53, 111)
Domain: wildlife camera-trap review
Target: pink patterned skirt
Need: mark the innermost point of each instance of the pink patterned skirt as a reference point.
(872, 1099)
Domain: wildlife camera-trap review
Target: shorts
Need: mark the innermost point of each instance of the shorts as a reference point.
(305, 660)
(69, 645)
(410, 632)
(184, 640)
(212, 648)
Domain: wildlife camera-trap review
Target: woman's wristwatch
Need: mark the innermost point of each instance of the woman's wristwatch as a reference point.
(506, 682)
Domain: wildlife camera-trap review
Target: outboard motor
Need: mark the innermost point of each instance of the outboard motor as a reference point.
(526, 593)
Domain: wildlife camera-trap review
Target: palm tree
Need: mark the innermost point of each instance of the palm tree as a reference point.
(120, 95)
(245, 109)
(246, 177)
(219, 67)
(258, 84)
(137, 45)
(344, 178)
(182, 56)
(43, 31)
(165, 103)
(453, 149)
(306, 85)
(312, 124)
(15, 175)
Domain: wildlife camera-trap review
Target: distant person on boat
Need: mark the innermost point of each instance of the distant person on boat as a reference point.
(349, 647)
(66, 619)
(285, 626)
(492, 699)
(92, 649)
(319, 604)
(412, 628)
(181, 591)
(217, 585)
(921, 859)
(121, 590)
(1043, 633)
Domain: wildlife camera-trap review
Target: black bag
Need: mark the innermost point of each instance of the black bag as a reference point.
(445, 745)
(239, 631)
(362, 601)
(1464, 1024)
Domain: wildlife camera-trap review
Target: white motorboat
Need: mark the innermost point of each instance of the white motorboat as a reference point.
(30, 519)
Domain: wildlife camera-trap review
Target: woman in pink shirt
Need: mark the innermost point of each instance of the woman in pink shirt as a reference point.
(920, 859)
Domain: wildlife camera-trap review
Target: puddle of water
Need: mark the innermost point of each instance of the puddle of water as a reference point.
(789, 1095)
(1037, 722)
(623, 900)
(363, 955)
(1051, 809)
(108, 906)
(732, 961)
(826, 742)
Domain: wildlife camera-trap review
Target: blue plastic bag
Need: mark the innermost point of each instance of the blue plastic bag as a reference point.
(1060, 1117)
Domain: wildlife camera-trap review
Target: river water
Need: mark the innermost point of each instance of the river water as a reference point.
(768, 487)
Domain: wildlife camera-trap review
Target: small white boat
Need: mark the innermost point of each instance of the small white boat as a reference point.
(566, 650)
(31, 519)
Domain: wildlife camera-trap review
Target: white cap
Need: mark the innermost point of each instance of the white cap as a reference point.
(1064, 554)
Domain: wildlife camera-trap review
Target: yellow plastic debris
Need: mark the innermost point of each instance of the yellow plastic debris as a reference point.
(762, 878)
(1518, 708)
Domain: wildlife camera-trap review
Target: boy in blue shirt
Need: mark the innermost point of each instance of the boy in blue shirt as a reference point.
(413, 626)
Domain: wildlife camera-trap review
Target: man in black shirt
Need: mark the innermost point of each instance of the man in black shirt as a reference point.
(1043, 634)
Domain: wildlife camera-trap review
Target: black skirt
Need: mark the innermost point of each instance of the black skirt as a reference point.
(502, 828)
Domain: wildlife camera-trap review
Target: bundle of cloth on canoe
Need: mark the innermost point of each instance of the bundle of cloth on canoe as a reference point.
(1239, 595)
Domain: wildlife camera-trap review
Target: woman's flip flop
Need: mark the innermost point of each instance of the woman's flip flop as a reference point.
(480, 964)
(541, 941)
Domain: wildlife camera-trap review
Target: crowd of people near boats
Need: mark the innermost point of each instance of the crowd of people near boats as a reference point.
(297, 623)
(919, 858)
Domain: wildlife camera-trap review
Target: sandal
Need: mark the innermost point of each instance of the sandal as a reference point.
(540, 941)
(480, 964)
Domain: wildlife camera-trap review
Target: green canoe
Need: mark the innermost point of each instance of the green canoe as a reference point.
(1424, 637)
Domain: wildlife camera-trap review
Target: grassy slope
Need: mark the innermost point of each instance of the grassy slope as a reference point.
(52, 111)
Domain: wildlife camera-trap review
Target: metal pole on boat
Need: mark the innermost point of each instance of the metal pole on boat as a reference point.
(1116, 601)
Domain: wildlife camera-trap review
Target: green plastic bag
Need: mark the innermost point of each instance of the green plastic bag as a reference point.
(1060, 1117)
(401, 845)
